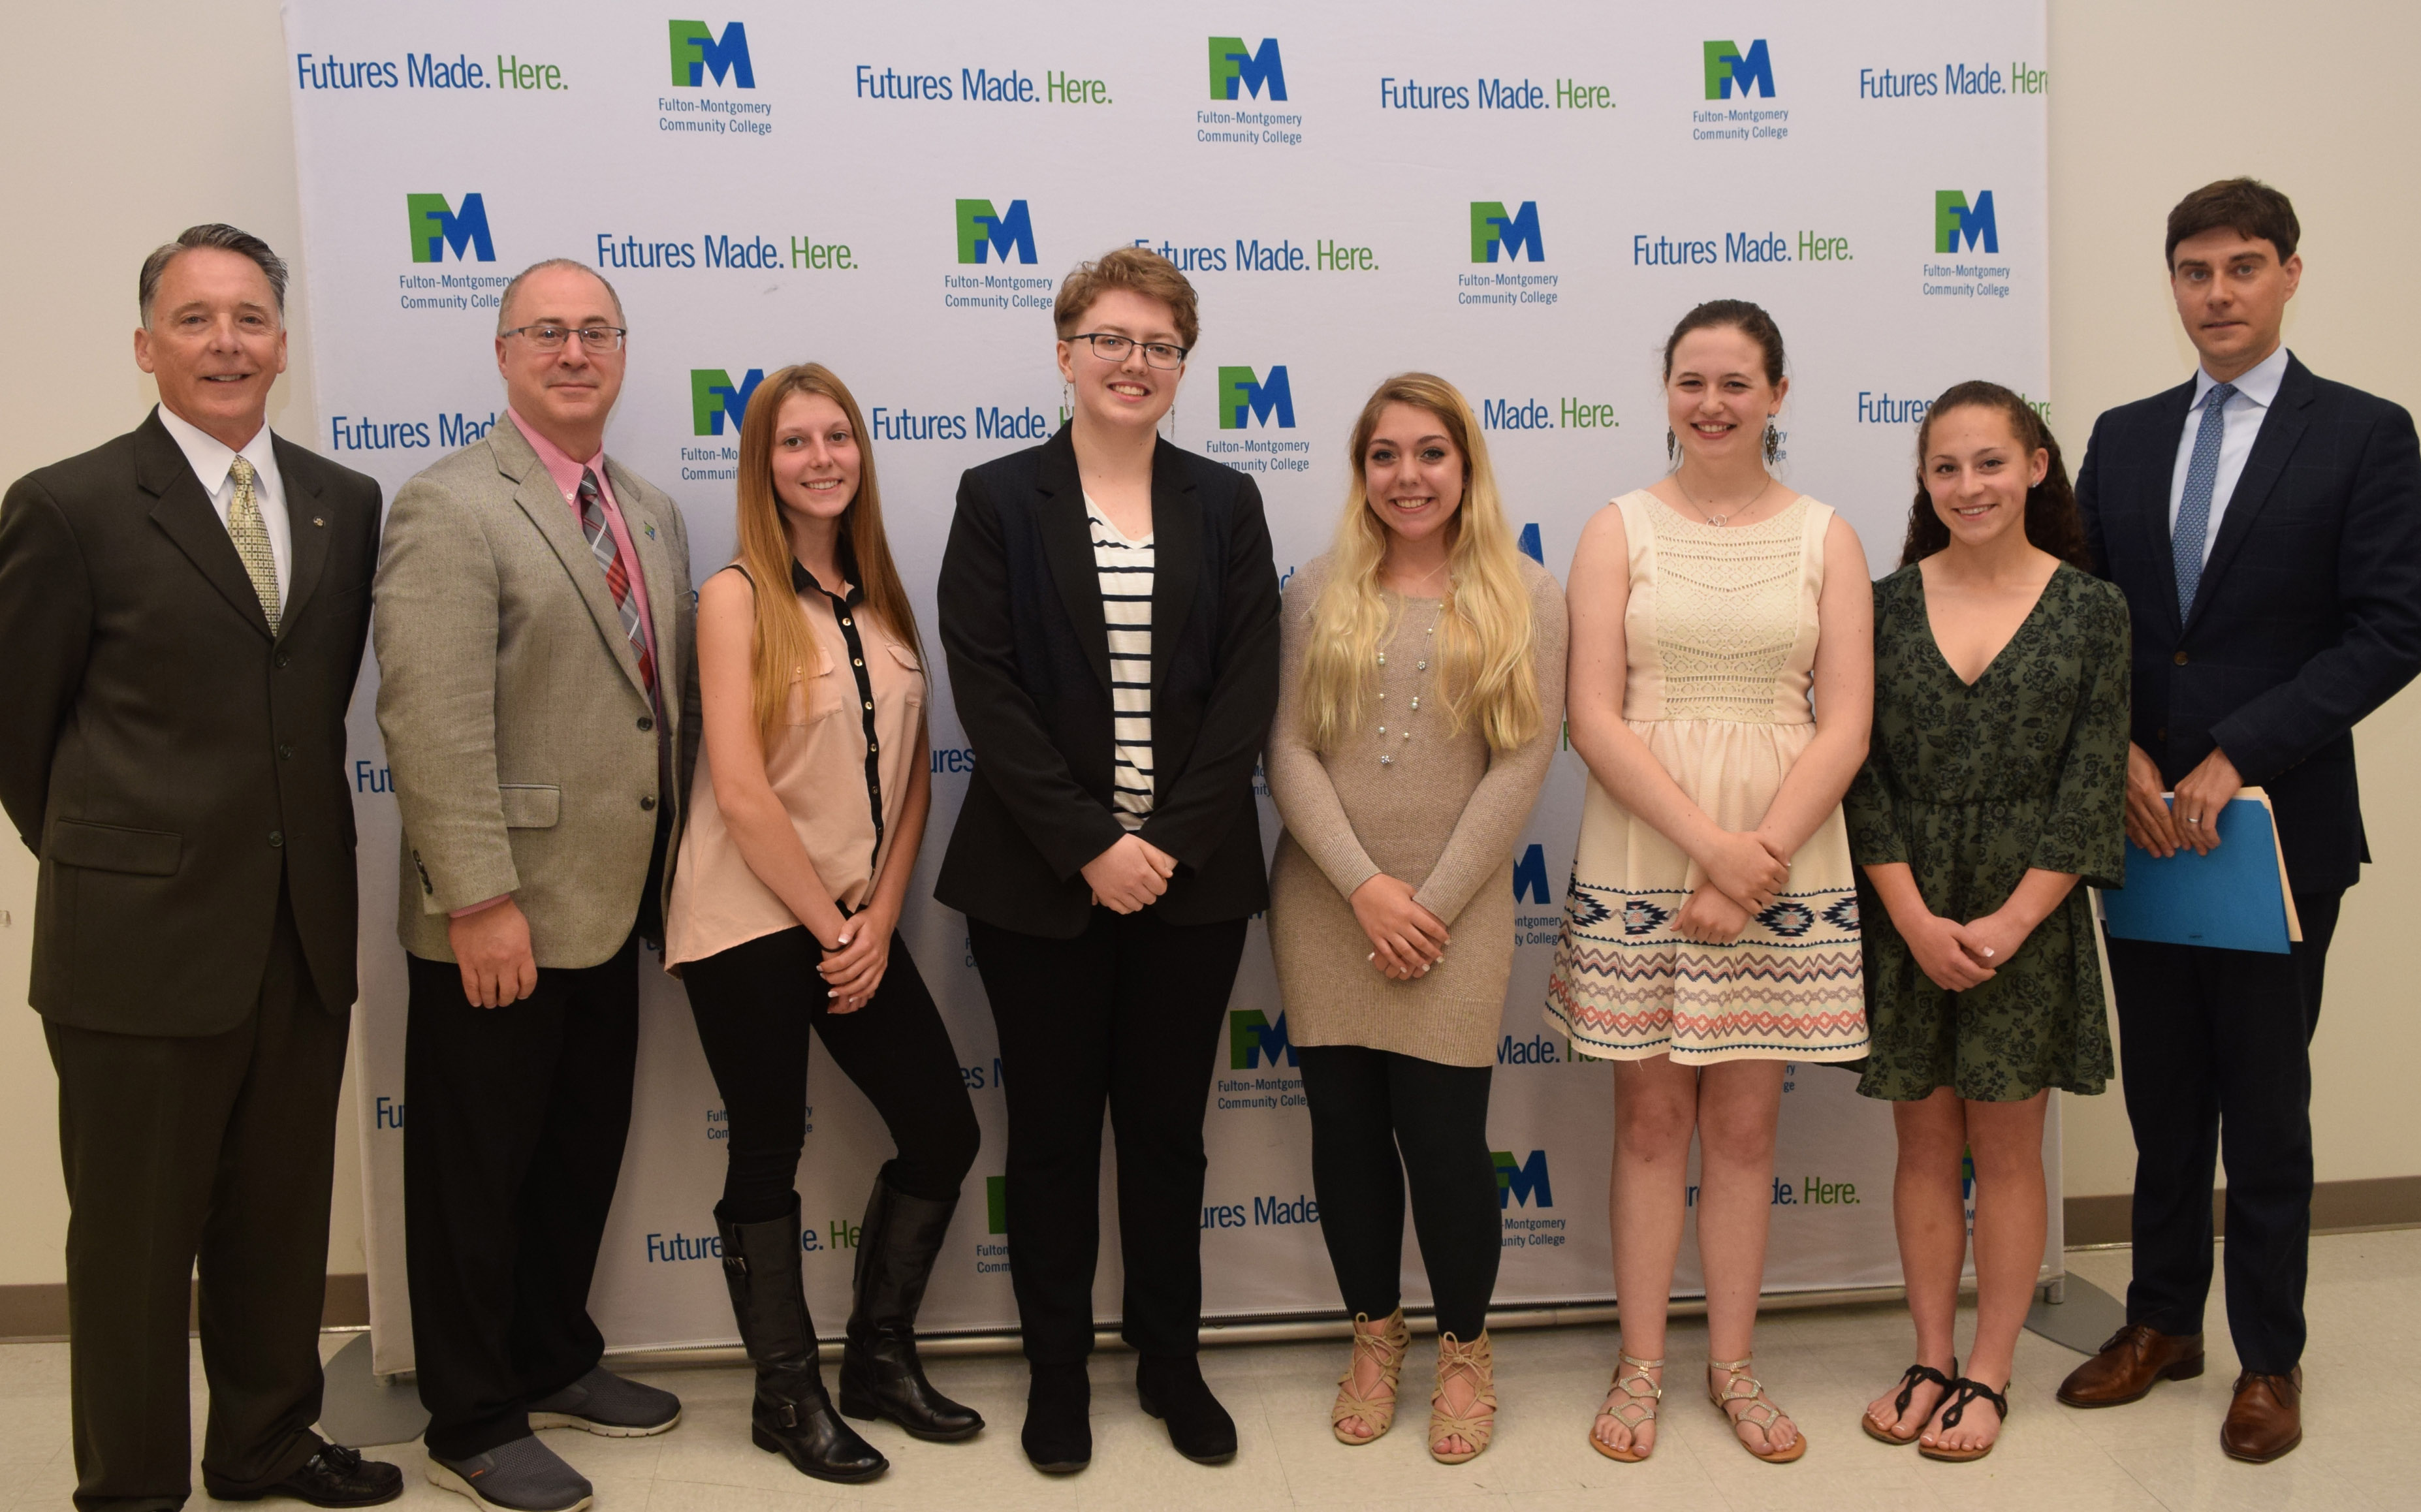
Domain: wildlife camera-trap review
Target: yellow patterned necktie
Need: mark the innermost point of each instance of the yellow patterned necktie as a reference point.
(252, 539)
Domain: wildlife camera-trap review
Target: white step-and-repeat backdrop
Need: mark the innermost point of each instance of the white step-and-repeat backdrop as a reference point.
(1521, 198)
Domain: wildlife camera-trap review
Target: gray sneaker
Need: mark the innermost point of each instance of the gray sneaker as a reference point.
(521, 1477)
(603, 1402)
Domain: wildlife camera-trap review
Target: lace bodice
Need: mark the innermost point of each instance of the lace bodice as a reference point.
(1722, 619)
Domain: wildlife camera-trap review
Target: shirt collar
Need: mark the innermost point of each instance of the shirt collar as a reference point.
(2258, 383)
(209, 457)
(560, 465)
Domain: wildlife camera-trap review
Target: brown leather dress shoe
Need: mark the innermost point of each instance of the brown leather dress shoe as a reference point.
(2265, 1419)
(2131, 1362)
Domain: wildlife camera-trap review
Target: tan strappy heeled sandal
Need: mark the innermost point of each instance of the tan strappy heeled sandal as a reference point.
(1477, 1424)
(1641, 1395)
(1761, 1413)
(1386, 1346)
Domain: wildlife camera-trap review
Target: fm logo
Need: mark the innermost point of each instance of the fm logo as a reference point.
(1953, 219)
(1252, 1039)
(1242, 395)
(996, 1203)
(983, 229)
(437, 226)
(1515, 235)
(1530, 871)
(712, 396)
(1236, 73)
(1536, 550)
(697, 54)
(1729, 68)
(1523, 1181)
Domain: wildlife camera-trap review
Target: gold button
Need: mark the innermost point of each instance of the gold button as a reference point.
(2179, 659)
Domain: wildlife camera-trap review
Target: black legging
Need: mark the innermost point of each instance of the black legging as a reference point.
(1366, 1104)
(754, 1003)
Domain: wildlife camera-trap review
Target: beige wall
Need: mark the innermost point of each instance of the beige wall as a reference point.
(2146, 101)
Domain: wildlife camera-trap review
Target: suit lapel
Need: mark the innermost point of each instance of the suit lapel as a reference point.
(298, 471)
(2151, 493)
(1068, 546)
(2282, 427)
(184, 512)
(1177, 558)
(539, 499)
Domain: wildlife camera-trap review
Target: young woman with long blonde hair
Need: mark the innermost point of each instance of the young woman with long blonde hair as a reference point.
(806, 815)
(1421, 695)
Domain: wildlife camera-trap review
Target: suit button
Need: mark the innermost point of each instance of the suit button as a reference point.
(2161, 734)
(646, 803)
(647, 722)
(283, 658)
(285, 752)
(2179, 659)
(277, 837)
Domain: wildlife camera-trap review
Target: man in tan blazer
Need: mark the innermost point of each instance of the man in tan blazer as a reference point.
(538, 694)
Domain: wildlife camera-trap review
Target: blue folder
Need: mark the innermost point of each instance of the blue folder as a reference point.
(2233, 898)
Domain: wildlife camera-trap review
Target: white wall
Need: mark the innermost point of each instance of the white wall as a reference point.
(191, 122)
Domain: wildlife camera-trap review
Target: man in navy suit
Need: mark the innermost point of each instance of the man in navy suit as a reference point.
(2265, 524)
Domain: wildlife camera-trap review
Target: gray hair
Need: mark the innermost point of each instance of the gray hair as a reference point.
(504, 306)
(226, 239)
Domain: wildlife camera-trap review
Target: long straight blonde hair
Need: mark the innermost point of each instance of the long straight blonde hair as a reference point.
(784, 645)
(1487, 676)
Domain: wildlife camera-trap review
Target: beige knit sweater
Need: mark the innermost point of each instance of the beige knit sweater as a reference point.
(1443, 815)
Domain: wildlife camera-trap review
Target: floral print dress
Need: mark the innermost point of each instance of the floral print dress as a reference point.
(1972, 785)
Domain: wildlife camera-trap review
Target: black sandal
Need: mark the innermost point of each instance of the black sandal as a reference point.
(1913, 1376)
(1963, 1391)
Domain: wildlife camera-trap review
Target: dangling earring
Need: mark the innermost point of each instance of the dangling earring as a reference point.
(1772, 442)
(1672, 448)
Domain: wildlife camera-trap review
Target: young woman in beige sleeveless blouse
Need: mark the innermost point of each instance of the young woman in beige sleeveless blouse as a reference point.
(1720, 690)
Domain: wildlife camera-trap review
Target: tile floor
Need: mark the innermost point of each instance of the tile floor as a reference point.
(2161, 1453)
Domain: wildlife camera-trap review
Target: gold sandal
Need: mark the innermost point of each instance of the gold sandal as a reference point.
(1386, 1346)
(1740, 1386)
(1469, 1424)
(1641, 1395)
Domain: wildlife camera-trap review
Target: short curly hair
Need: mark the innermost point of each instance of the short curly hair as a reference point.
(1140, 269)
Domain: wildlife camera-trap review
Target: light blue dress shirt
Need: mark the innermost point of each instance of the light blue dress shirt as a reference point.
(2257, 389)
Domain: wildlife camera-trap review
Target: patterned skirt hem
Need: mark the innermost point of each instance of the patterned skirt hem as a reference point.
(1906, 1090)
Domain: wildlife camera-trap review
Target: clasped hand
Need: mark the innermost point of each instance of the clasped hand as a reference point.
(1406, 939)
(2193, 824)
(1131, 875)
(1745, 872)
(853, 965)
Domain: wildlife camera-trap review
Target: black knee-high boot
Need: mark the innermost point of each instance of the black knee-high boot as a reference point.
(879, 1373)
(791, 1415)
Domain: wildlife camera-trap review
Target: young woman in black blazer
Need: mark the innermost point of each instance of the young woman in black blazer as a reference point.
(1110, 615)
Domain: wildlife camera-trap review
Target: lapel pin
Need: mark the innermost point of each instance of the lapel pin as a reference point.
(650, 530)
(317, 521)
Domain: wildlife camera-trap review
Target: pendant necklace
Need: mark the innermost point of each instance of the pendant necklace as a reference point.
(1720, 520)
(1428, 646)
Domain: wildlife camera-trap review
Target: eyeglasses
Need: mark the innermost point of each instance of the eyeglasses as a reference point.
(551, 337)
(1113, 349)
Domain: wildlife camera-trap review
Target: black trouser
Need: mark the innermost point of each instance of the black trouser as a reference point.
(1366, 1106)
(216, 1149)
(2214, 1045)
(1125, 1014)
(754, 1003)
(514, 1121)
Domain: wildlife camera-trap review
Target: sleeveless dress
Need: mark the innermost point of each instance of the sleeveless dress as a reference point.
(1720, 637)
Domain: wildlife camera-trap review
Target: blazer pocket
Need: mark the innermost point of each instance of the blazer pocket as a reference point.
(907, 658)
(115, 847)
(531, 805)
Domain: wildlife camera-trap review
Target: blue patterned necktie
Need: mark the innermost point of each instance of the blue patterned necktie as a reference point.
(2194, 507)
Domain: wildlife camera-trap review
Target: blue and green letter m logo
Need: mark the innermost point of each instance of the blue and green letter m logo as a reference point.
(437, 226)
(1253, 1039)
(1954, 220)
(713, 396)
(1516, 235)
(1521, 1182)
(1233, 69)
(1729, 68)
(1241, 393)
(696, 54)
(982, 229)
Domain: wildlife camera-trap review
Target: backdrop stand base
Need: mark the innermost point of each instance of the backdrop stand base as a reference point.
(359, 1408)
(2080, 1318)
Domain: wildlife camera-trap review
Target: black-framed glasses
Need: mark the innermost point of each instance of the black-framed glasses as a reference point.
(551, 337)
(1113, 349)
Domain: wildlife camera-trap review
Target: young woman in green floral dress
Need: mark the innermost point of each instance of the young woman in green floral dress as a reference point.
(1995, 784)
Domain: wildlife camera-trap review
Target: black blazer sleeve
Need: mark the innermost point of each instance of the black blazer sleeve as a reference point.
(2379, 591)
(46, 624)
(2089, 504)
(1021, 760)
(1192, 820)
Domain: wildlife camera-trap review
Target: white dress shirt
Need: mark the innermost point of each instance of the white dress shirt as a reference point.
(2257, 389)
(213, 462)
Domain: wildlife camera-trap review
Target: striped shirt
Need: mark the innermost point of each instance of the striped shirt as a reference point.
(1125, 568)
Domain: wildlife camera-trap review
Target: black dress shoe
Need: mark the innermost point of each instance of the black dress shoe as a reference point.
(1172, 1389)
(335, 1476)
(1058, 1434)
